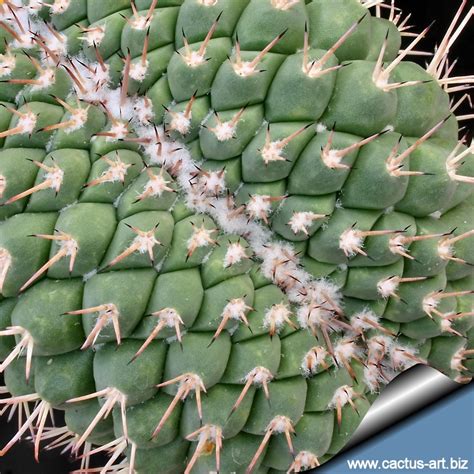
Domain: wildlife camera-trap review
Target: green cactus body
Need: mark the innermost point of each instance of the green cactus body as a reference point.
(225, 226)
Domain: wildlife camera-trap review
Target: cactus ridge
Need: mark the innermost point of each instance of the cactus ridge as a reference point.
(225, 226)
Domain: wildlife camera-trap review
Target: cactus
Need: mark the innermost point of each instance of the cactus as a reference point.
(225, 226)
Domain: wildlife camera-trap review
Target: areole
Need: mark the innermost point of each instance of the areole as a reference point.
(226, 225)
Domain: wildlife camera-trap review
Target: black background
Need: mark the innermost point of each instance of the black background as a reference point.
(20, 458)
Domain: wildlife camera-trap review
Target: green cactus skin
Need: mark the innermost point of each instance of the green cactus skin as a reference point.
(225, 225)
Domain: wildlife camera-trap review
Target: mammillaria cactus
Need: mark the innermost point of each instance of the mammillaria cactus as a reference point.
(226, 225)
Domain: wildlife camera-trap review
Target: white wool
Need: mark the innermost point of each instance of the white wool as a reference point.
(210, 433)
(445, 249)
(315, 357)
(273, 254)
(396, 244)
(276, 316)
(156, 185)
(56, 176)
(194, 59)
(272, 152)
(446, 325)
(255, 234)
(23, 16)
(321, 291)
(120, 110)
(280, 424)
(281, 264)
(144, 110)
(70, 245)
(350, 241)
(191, 382)
(331, 158)
(235, 309)
(259, 205)
(430, 302)
(329, 289)
(381, 81)
(284, 4)
(213, 182)
(25, 41)
(3, 185)
(145, 242)
(301, 221)
(141, 127)
(224, 131)
(402, 357)
(119, 131)
(313, 316)
(79, 117)
(321, 128)
(180, 122)
(298, 288)
(60, 6)
(305, 460)
(346, 349)
(378, 346)
(100, 75)
(155, 153)
(201, 237)
(138, 70)
(235, 253)
(457, 360)
(341, 396)
(198, 200)
(35, 5)
(5, 262)
(57, 44)
(361, 321)
(27, 122)
(140, 21)
(244, 68)
(170, 317)
(94, 36)
(302, 315)
(260, 375)
(374, 376)
(7, 64)
(116, 171)
(313, 70)
(388, 287)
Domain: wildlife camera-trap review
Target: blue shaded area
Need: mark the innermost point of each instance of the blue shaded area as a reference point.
(443, 430)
